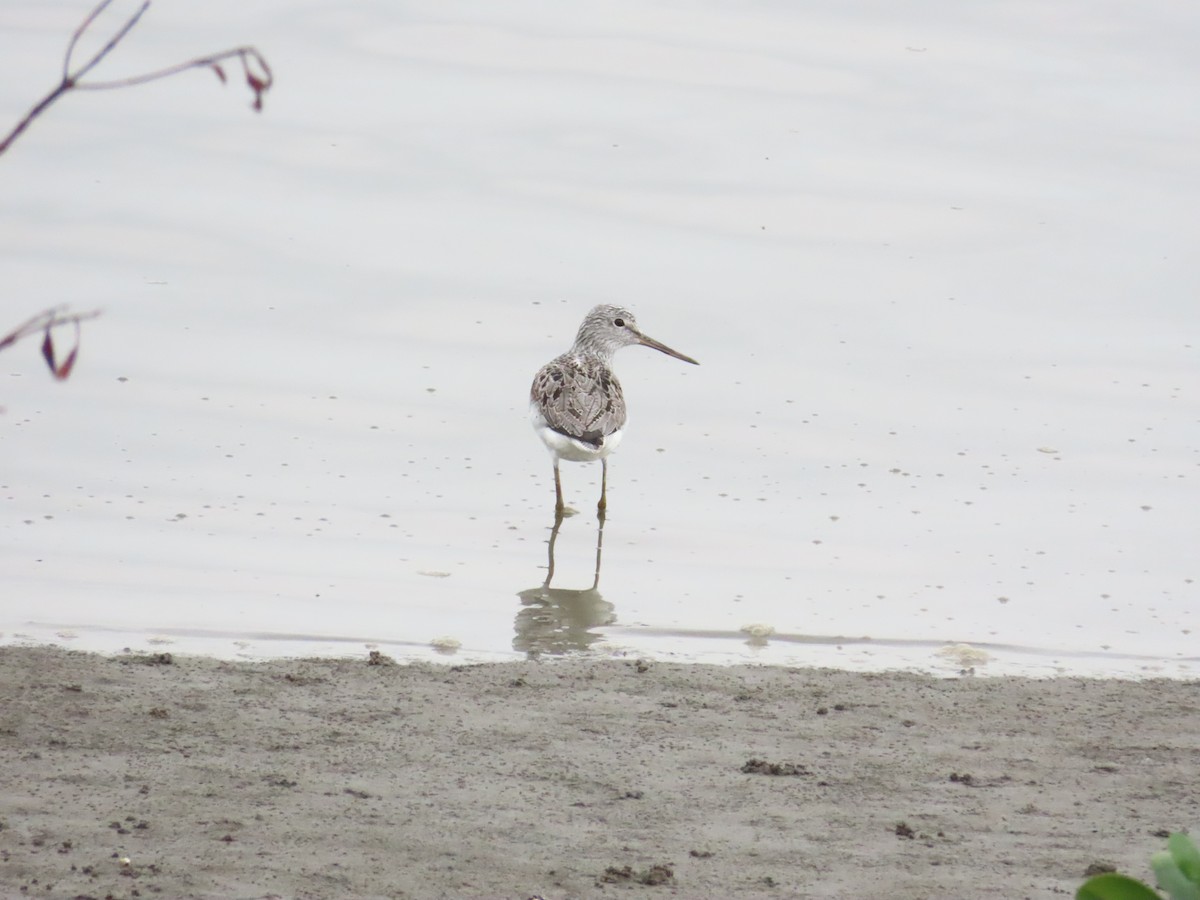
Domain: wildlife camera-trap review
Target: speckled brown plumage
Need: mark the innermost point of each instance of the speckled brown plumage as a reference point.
(576, 403)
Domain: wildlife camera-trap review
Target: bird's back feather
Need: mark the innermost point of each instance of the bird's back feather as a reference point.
(579, 397)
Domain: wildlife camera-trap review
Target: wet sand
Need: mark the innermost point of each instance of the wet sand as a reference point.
(153, 776)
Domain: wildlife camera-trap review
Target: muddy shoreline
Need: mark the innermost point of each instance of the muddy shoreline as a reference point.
(190, 777)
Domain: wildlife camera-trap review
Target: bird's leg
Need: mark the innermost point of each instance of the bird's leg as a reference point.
(603, 504)
(553, 539)
(599, 550)
(558, 506)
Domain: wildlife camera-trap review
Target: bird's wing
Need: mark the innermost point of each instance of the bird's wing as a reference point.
(582, 402)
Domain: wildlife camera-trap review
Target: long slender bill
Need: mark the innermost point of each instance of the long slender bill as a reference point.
(651, 342)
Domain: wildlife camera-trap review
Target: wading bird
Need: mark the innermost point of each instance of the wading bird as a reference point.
(576, 404)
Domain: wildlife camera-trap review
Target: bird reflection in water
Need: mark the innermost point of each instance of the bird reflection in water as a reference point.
(560, 620)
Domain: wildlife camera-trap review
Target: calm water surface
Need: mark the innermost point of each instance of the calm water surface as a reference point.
(938, 271)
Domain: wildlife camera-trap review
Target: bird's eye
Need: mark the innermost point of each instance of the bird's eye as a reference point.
(620, 323)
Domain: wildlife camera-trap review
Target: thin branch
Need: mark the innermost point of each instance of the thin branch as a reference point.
(254, 66)
(47, 319)
(37, 110)
(83, 26)
(73, 77)
(46, 322)
(259, 81)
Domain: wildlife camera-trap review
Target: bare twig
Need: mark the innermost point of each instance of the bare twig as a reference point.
(254, 66)
(73, 77)
(46, 322)
(259, 81)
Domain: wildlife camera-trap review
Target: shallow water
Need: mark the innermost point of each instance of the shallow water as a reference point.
(938, 270)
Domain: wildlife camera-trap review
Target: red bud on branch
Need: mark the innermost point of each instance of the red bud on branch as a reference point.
(62, 370)
(48, 351)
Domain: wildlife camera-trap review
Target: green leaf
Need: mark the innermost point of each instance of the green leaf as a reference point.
(1171, 879)
(1186, 856)
(1111, 886)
